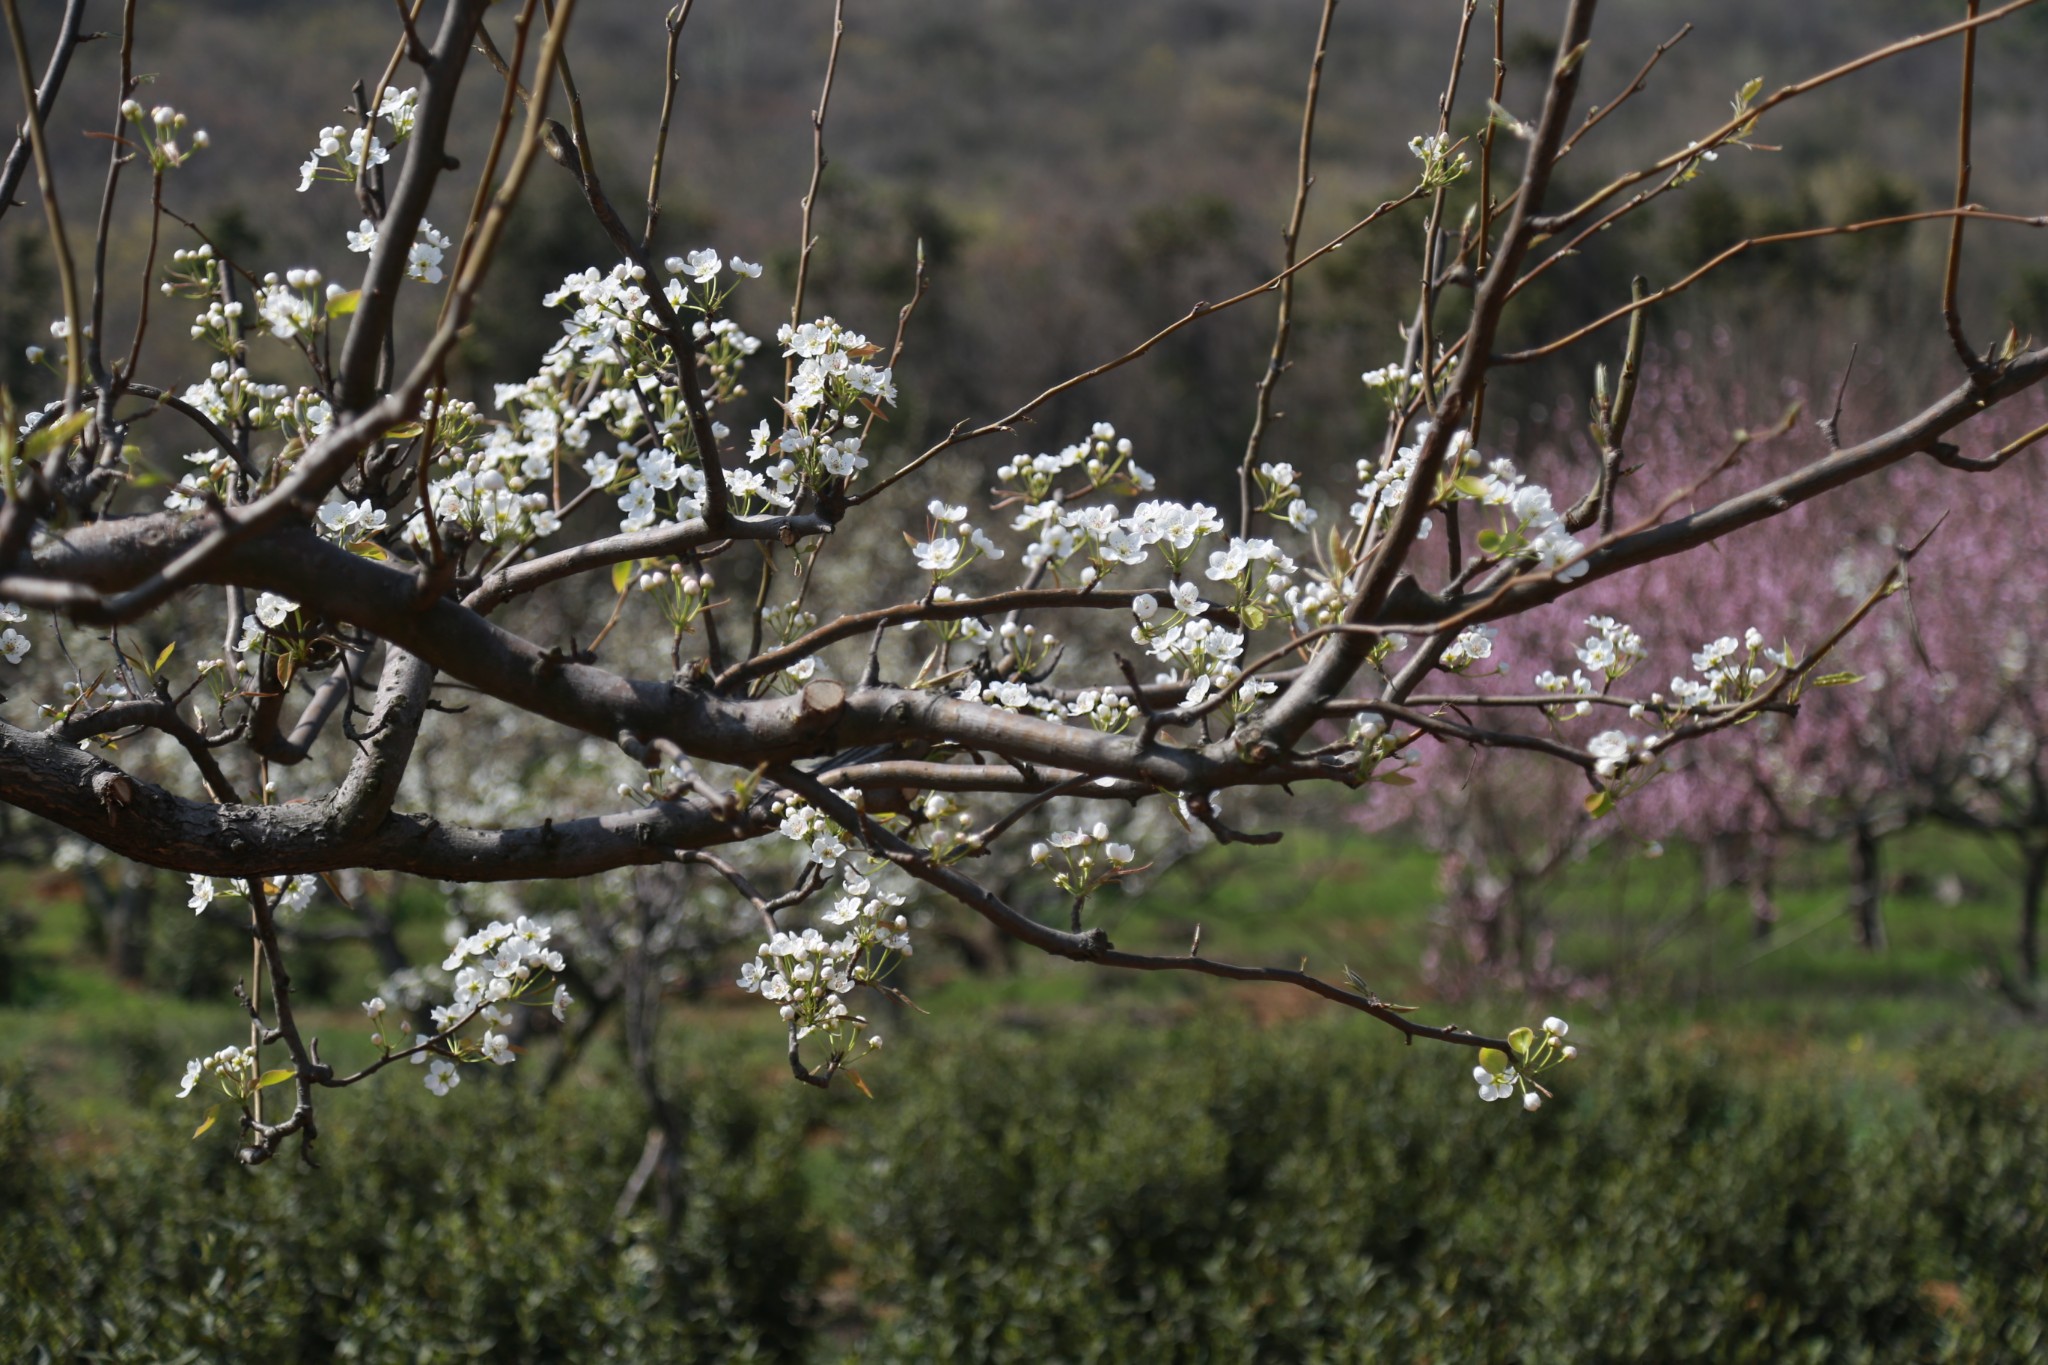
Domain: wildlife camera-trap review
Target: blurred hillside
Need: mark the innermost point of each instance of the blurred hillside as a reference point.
(1081, 173)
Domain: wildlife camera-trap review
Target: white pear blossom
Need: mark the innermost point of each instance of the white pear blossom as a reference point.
(272, 609)
(1611, 751)
(1495, 1085)
(442, 1075)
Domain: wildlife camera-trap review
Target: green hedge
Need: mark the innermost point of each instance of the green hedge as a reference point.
(475, 1227)
(1298, 1195)
(1240, 1198)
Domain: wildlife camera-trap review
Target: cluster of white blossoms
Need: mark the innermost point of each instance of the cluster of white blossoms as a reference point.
(14, 646)
(609, 321)
(1378, 744)
(1394, 384)
(808, 976)
(1319, 599)
(272, 611)
(831, 368)
(807, 825)
(1473, 644)
(1072, 857)
(422, 263)
(231, 396)
(481, 501)
(680, 594)
(1104, 458)
(1614, 751)
(233, 1067)
(1108, 711)
(1009, 693)
(706, 292)
(834, 391)
(502, 965)
(194, 273)
(1531, 526)
(159, 128)
(604, 376)
(288, 897)
(946, 827)
(343, 153)
(340, 155)
(401, 109)
(1499, 1077)
(1442, 162)
(1576, 685)
(1611, 651)
(1281, 488)
(1198, 651)
(348, 522)
(292, 306)
(953, 543)
(1730, 670)
(1106, 540)
(218, 325)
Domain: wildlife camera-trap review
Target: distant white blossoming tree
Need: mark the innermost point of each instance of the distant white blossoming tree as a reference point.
(838, 689)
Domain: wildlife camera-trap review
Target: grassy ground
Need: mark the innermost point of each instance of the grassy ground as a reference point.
(1643, 955)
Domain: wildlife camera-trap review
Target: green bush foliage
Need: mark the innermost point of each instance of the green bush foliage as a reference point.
(1208, 1195)
(1225, 1197)
(480, 1228)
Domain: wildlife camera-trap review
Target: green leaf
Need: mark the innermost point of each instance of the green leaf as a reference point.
(622, 574)
(164, 657)
(1751, 88)
(341, 305)
(1254, 617)
(1490, 542)
(285, 1073)
(1599, 803)
(1471, 485)
(405, 433)
(1493, 1059)
(211, 1115)
(1837, 679)
(368, 549)
(1521, 1040)
(1395, 779)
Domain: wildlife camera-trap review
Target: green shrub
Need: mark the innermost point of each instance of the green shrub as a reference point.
(478, 1226)
(1219, 1196)
(1209, 1194)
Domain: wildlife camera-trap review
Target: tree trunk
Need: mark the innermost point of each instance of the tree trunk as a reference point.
(128, 922)
(1866, 889)
(2034, 883)
(118, 906)
(1763, 912)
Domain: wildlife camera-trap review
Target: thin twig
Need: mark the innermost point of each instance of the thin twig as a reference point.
(1290, 237)
(810, 199)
